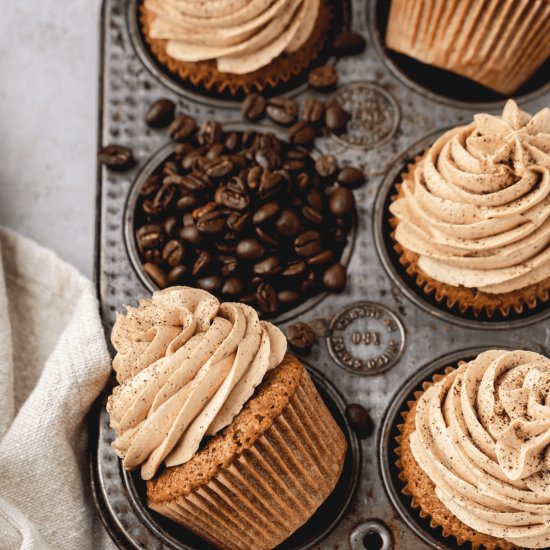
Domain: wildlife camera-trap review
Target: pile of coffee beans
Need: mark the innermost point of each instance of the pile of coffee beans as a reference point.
(245, 216)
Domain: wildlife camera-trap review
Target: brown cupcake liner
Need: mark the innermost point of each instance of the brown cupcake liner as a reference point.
(421, 490)
(273, 486)
(281, 70)
(498, 43)
(465, 299)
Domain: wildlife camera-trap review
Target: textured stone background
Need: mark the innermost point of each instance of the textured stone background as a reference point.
(48, 98)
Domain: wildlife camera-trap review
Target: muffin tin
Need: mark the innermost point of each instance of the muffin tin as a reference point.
(377, 333)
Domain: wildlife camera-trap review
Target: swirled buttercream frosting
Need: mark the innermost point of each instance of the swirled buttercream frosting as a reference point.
(477, 207)
(186, 365)
(483, 438)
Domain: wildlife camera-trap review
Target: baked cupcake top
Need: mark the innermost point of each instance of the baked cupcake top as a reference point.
(477, 209)
(241, 35)
(186, 365)
(483, 437)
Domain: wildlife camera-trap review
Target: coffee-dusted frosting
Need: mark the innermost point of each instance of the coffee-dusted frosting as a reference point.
(477, 211)
(186, 365)
(241, 35)
(483, 437)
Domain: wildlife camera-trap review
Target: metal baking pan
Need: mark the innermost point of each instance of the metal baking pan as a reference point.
(376, 335)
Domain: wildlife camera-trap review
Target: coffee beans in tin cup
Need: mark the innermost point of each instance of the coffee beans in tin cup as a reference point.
(245, 216)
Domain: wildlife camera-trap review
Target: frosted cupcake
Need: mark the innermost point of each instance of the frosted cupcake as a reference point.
(475, 451)
(228, 430)
(472, 216)
(236, 45)
(497, 43)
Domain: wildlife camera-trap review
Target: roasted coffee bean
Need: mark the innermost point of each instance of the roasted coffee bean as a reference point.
(212, 283)
(267, 267)
(271, 184)
(227, 244)
(312, 215)
(187, 219)
(321, 258)
(323, 78)
(288, 297)
(153, 256)
(160, 113)
(309, 283)
(173, 252)
(232, 142)
(265, 212)
(351, 177)
(342, 202)
(302, 134)
(267, 238)
(203, 261)
(294, 268)
(294, 165)
(229, 265)
(359, 420)
(234, 199)
(307, 244)
(232, 287)
(314, 198)
(336, 119)
(326, 166)
(237, 220)
(288, 223)
(335, 277)
(176, 274)
(303, 181)
(211, 222)
(215, 151)
(204, 209)
(151, 186)
(301, 337)
(348, 43)
(253, 107)
(150, 236)
(268, 158)
(194, 182)
(182, 149)
(254, 177)
(267, 299)
(181, 128)
(313, 111)
(282, 110)
(210, 132)
(190, 234)
(170, 225)
(250, 249)
(116, 157)
(156, 274)
(191, 158)
(220, 168)
(187, 201)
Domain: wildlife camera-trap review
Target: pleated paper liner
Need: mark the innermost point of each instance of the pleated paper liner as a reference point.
(420, 490)
(465, 300)
(265, 475)
(498, 43)
(204, 74)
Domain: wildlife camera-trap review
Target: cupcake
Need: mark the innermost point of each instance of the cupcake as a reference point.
(238, 45)
(229, 432)
(475, 451)
(497, 43)
(472, 216)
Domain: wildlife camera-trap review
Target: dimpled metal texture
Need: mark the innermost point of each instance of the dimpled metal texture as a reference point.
(400, 114)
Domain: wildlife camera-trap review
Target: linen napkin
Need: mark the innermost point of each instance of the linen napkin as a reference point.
(53, 364)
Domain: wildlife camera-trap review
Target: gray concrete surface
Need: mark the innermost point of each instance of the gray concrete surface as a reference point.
(48, 91)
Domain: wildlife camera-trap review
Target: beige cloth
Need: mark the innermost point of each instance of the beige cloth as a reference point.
(53, 364)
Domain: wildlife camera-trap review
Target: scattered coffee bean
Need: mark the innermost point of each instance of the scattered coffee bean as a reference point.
(116, 157)
(323, 78)
(211, 284)
(313, 111)
(156, 274)
(253, 107)
(326, 166)
(359, 419)
(250, 249)
(336, 119)
(351, 177)
(307, 244)
(335, 278)
(232, 287)
(301, 337)
(282, 110)
(160, 113)
(348, 43)
(267, 267)
(182, 127)
(265, 212)
(322, 258)
(342, 202)
(302, 134)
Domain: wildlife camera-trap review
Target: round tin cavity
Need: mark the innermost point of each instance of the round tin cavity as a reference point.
(120, 495)
(407, 284)
(340, 13)
(161, 155)
(441, 85)
(372, 534)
